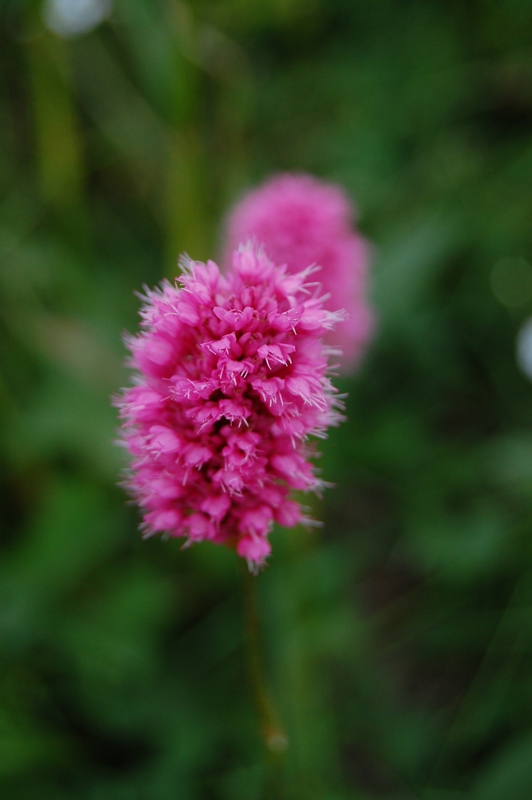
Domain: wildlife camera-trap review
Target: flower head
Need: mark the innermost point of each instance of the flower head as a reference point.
(302, 221)
(230, 382)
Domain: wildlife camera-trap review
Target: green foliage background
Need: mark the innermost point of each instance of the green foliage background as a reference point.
(398, 638)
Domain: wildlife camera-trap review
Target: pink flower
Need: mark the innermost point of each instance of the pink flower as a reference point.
(301, 221)
(231, 380)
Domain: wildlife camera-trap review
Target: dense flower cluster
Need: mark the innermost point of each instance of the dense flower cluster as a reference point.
(301, 221)
(231, 380)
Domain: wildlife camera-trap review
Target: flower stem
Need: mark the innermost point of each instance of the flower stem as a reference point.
(272, 733)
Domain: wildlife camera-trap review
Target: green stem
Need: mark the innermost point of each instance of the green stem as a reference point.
(272, 733)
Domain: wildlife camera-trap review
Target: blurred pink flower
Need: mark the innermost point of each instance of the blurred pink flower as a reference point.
(231, 380)
(302, 221)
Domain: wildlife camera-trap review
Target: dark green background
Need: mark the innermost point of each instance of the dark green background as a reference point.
(398, 639)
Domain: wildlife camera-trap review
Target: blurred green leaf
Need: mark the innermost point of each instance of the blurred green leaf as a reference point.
(508, 774)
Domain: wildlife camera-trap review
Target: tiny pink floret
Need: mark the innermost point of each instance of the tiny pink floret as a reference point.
(300, 221)
(231, 380)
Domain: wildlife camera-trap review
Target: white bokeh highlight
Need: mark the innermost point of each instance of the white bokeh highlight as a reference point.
(74, 17)
(524, 348)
